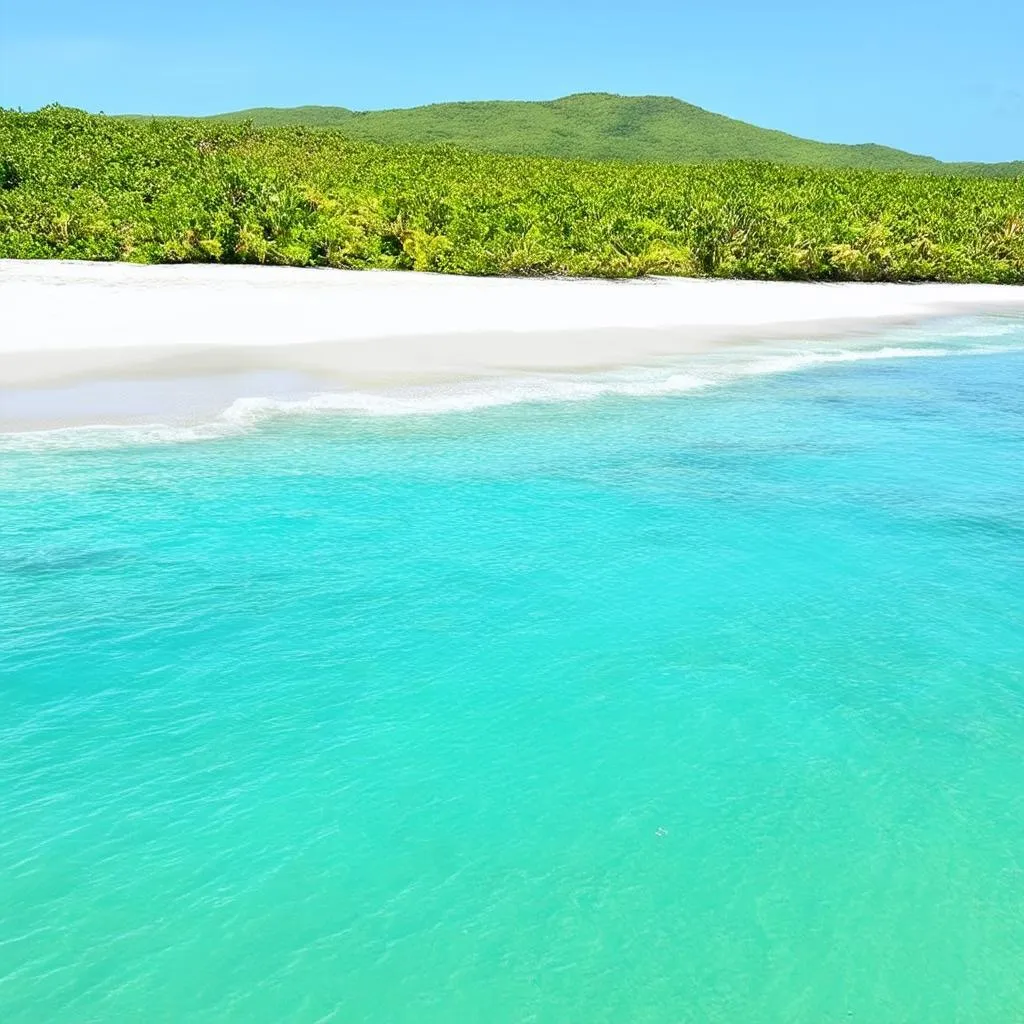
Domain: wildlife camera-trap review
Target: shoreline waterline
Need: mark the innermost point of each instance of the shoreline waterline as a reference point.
(197, 409)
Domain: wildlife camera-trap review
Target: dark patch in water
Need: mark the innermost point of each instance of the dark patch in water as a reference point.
(48, 564)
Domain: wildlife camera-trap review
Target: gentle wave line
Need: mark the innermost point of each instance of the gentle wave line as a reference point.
(246, 414)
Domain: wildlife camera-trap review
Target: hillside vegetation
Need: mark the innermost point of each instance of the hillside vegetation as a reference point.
(600, 126)
(74, 185)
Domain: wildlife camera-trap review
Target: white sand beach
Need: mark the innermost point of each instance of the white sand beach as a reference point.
(82, 342)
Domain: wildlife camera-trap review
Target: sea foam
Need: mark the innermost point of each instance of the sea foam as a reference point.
(723, 368)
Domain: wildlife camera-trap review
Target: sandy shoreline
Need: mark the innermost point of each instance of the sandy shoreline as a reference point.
(74, 334)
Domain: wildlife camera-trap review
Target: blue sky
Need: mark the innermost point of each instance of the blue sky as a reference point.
(925, 75)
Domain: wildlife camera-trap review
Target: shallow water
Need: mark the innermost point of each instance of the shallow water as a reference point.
(689, 702)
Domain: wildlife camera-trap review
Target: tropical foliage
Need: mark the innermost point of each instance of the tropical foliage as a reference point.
(74, 185)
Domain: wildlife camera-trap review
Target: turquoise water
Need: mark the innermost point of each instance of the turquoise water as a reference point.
(699, 701)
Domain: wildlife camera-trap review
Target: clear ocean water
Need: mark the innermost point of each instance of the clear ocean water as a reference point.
(662, 697)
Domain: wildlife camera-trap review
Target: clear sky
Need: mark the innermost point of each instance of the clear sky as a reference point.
(931, 76)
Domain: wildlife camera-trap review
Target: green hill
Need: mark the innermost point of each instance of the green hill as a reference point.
(601, 126)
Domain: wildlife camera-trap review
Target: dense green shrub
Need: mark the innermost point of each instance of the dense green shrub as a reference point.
(74, 185)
